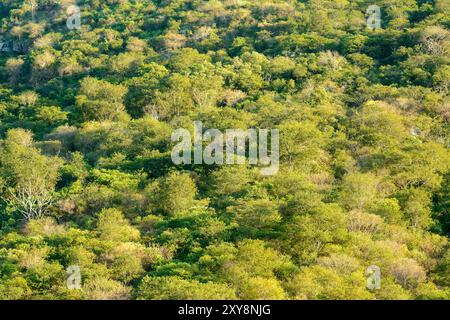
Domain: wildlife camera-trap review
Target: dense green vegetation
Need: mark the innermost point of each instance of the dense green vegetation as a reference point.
(86, 177)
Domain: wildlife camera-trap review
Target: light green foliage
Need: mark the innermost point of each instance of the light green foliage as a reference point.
(255, 215)
(309, 235)
(114, 227)
(87, 179)
(358, 191)
(315, 283)
(28, 177)
(173, 288)
(101, 100)
(173, 193)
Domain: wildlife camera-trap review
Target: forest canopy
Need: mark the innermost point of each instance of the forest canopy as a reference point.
(90, 96)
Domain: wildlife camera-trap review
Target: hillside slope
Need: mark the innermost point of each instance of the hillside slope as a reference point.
(91, 92)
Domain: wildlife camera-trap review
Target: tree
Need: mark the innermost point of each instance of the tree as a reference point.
(416, 204)
(113, 226)
(29, 177)
(256, 288)
(407, 272)
(101, 288)
(43, 67)
(306, 236)
(253, 216)
(126, 260)
(436, 40)
(173, 193)
(318, 283)
(175, 288)
(358, 190)
(125, 63)
(52, 115)
(101, 100)
(14, 67)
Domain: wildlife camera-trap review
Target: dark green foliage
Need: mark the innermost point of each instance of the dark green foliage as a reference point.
(86, 176)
